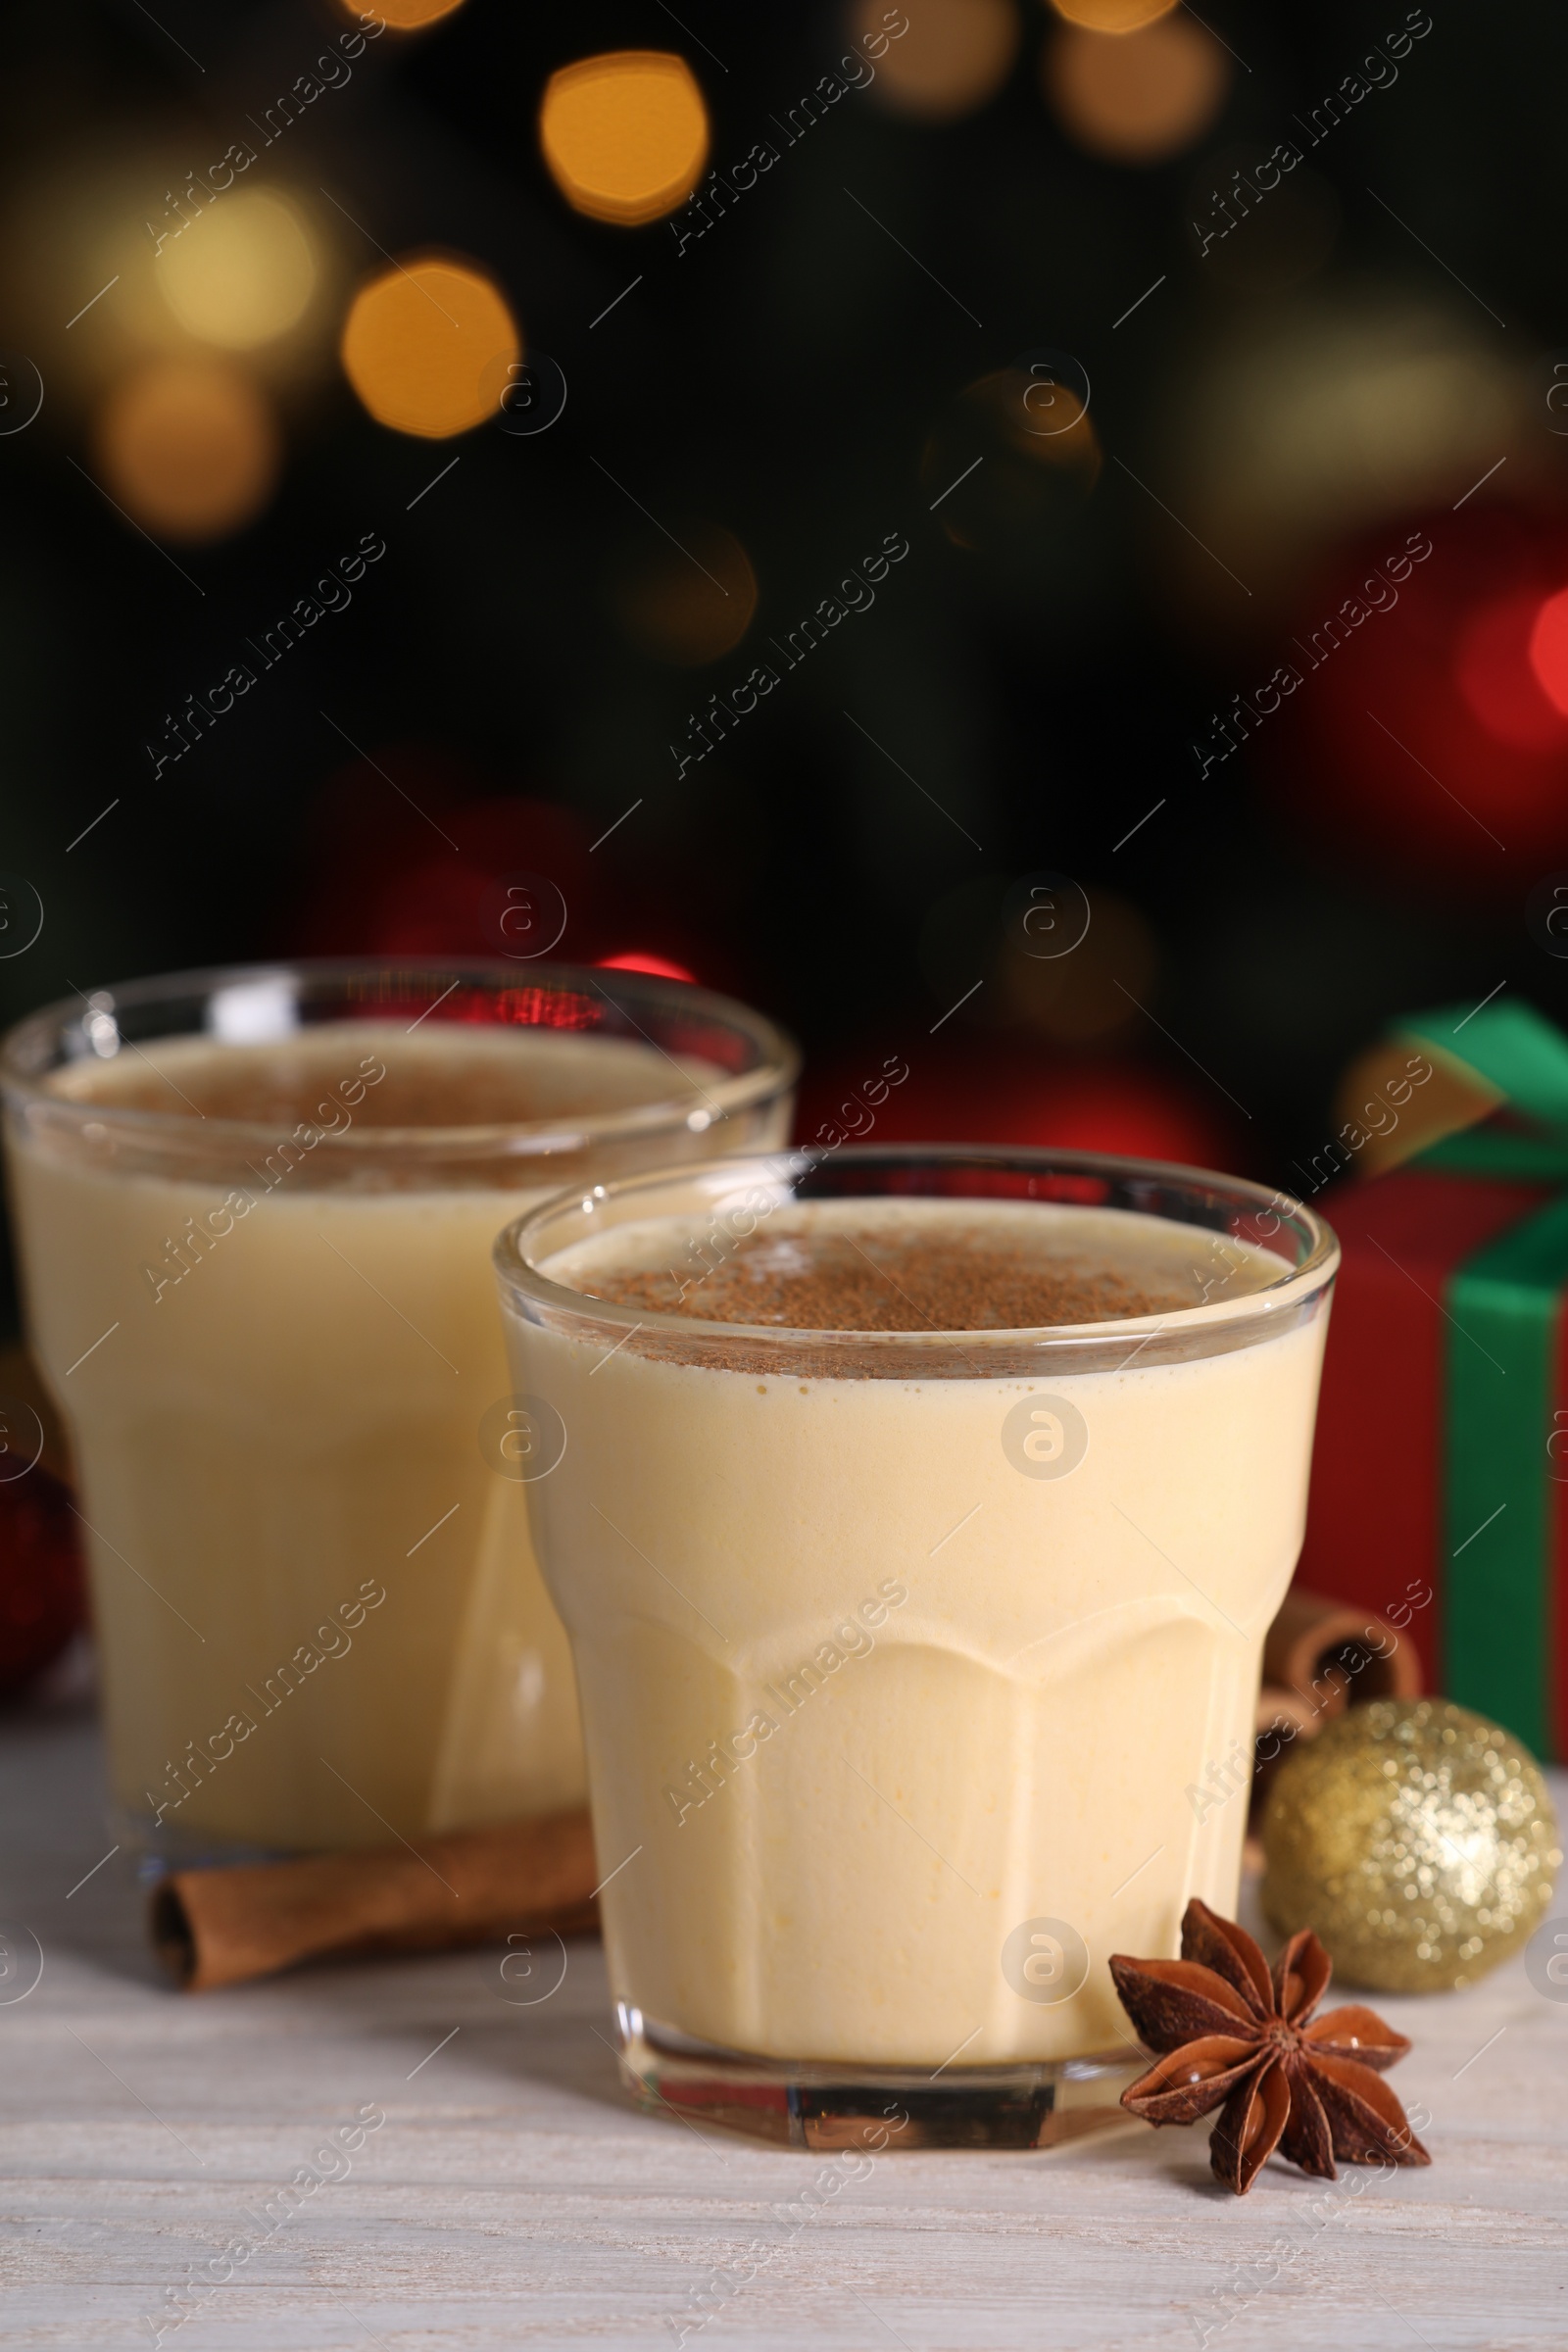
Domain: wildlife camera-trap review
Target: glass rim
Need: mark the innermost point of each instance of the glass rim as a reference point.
(29, 1051)
(1275, 1301)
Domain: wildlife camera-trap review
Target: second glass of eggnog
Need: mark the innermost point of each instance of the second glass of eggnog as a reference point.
(255, 1210)
(917, 1518)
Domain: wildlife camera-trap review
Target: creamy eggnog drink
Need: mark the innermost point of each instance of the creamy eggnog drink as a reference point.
(916, 1523)
(255, 1214)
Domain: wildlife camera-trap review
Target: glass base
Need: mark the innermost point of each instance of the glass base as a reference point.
(1042, 2103)
(155, 1849)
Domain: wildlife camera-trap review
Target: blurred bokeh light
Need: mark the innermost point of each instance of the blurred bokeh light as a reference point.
(1425, 733)
(1089, 997)
(427, 346)
(405, 16)
(189, 448)
(1010, 1089)
(241, 275)
(625, 136)
(683, 608)
(1499, 674)
(659, 966)
(999, 472)
(1549, 649)
(1313, 417)
(1136, 97)
(1113, 15)
(954, 56)
(379, 880)
(1291, 375)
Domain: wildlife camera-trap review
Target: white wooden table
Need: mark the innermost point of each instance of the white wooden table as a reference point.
(513, 2198)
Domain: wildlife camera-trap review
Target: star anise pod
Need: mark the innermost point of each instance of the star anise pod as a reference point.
(1228, 2030)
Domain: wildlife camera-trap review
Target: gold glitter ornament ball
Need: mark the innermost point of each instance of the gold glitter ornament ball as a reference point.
(1417, 1838)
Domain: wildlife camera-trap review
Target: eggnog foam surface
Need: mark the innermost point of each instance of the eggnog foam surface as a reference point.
(440, 1075)
(868, 1687)
(287, 1407)
(860, 1267)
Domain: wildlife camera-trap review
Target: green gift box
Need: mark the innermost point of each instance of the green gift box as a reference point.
(1440, 1478)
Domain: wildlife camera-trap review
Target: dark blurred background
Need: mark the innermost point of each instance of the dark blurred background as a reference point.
(1305, 265)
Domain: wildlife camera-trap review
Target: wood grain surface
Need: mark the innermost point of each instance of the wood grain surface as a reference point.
(512, 2198)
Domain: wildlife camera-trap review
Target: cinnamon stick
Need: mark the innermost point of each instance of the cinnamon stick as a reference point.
(1333, 1654)
(220, 1927)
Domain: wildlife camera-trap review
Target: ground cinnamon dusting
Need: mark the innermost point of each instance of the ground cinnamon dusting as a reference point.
(358, 1075)
(869, 1282)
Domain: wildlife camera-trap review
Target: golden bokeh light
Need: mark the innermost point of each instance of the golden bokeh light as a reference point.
(242, 274)
(688, 611)
(625, 136)
(1137, 97)
(1113, 16)
(1012, 459)
(954, 56)
(407, 16)
(427, 347)
(1085, 998)
(189, 448)
(1040, 409)
(1309, 422)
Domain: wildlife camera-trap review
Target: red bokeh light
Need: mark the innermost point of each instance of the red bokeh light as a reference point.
(1432, 733)
(1002, 1089)
(410, 846)
(406, 856)
(1498, 675)
(1548, 650)
(659, 966)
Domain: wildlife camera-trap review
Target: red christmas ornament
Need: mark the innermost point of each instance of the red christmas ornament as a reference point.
(42, 1587)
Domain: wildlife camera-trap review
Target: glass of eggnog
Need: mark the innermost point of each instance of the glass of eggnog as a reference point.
(916, 1517)
(255, 1210)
